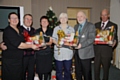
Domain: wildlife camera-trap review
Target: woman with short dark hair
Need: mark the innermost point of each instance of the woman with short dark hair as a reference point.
(44, 56)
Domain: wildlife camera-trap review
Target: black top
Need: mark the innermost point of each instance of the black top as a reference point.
(12, 40)
(47, 33)
(27, 52)
(31, 32)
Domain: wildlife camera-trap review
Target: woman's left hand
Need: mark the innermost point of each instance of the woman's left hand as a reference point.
(68, 44)
(43, 47)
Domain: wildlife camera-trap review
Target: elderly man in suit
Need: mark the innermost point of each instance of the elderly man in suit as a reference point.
(103, 52)
(84, 50)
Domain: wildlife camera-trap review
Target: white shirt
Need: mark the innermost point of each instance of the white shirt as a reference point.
(27, 27)
(105, 23)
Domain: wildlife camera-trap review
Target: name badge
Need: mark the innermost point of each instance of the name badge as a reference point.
(83, 36)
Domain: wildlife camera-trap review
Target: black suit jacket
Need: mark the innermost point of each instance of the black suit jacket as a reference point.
(106, 49)
(28, 52)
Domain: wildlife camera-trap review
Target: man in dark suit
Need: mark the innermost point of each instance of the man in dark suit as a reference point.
(103, 52)
(29, 58)
(85, 49)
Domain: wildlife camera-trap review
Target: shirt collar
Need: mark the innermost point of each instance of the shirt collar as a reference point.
(105, 23)
(26, 27)
(83, 23)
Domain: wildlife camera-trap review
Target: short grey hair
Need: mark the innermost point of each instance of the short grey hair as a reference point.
(63, 15)
(82, 13)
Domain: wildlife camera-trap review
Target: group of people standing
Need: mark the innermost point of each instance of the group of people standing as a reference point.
(19, 57)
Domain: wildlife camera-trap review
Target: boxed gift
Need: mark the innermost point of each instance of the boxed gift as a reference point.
(36, 39)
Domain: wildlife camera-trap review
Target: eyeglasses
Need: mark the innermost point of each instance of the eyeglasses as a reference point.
(13, 18)
(104, 15)
(28, 19)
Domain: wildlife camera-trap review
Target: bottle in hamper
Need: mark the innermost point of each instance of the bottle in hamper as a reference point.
(41, 39)
(75, 40)
(110, 37)
(111, 34)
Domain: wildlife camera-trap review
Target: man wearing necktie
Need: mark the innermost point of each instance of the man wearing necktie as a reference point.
(84, 51)
(28, 59)
(28, 29)
(80, 28)
(103, 52)
(103, 25)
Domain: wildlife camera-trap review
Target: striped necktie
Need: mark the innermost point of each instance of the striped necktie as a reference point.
(103, 24)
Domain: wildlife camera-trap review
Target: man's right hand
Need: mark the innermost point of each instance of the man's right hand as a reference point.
(36, 47)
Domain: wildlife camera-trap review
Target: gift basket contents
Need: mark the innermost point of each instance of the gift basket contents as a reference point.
(104, 36)
(61, 36)
(36, 39)
(70, 39)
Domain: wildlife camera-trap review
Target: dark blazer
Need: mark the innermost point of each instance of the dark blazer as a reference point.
(86, 40)
(27, 52)
(106, 48)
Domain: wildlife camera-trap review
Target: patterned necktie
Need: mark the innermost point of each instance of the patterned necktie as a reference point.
(80, 28)
(27, 29)
(103, 26)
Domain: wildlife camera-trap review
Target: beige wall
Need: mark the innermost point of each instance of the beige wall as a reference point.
(25, 3)
(115, 13)
(39, 7)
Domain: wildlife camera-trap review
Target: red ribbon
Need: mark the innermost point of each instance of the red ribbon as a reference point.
(26, 36)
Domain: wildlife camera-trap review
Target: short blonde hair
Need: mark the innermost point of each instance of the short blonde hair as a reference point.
(63, 15)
